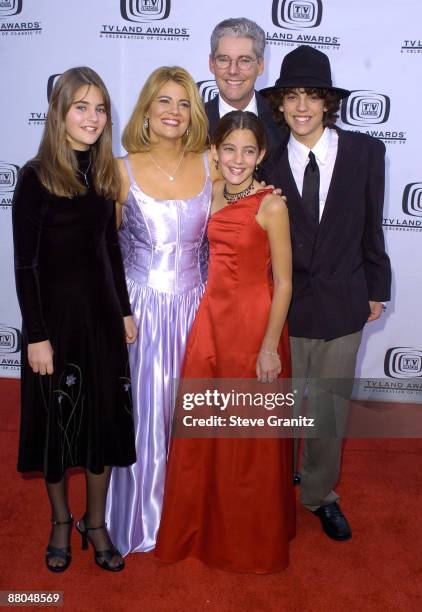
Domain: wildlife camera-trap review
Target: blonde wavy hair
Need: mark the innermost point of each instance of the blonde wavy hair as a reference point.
(55, 162)
(136, 137)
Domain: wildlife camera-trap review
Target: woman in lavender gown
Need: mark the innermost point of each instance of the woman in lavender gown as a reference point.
(166, 194)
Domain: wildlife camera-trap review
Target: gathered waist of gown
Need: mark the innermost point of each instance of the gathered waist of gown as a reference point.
(167, 269)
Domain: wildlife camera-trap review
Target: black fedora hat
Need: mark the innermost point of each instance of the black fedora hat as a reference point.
(305, 67)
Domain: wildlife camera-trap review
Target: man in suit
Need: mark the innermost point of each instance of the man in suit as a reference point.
(334, 184)
(236, 60)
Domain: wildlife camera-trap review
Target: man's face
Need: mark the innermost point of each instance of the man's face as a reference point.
(236, 79)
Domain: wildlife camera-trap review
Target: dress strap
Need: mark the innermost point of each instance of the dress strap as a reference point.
(206, 164)
(129, 169)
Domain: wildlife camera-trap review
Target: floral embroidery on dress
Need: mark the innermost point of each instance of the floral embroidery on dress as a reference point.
(70, 380)
(127, 387)
(70, 412)
(70, 408)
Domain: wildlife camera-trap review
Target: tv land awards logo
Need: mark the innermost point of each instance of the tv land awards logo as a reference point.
(144, 10)
(366, 108)
(8, 177)
(10, 9)
(297, 14)
(151, 14)
(8, 180)
(207, 90)
(403, 362)
(411, 46)
(411, 207)
(10, 339)
(10, 344)
(403, 382)
(296, 20)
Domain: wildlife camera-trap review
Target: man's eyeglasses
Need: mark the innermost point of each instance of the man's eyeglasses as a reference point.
(242, 63)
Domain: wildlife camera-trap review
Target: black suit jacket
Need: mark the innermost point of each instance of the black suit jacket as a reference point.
(273, 133)
(340, 264)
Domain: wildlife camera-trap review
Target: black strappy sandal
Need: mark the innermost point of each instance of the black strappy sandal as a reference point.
(102, 557)
(64, 553)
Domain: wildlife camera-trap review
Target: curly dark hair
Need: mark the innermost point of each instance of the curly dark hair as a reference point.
(330, 97)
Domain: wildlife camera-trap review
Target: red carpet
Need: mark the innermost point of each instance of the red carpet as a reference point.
(379, 569)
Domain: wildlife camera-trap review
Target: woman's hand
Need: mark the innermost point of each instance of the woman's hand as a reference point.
(40, 357)
(268, 366)
(131, 330)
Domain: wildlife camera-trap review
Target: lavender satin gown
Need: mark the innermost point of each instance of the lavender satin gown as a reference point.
(164, 250)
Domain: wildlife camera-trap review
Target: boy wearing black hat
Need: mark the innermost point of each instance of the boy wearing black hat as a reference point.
(334, 184)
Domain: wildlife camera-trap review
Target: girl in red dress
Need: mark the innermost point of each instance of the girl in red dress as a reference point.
(230, 502)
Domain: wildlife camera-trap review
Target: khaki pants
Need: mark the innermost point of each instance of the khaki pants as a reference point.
(319, 361)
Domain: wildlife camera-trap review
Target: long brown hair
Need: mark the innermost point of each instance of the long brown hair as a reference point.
(136, 136)
(55, 162)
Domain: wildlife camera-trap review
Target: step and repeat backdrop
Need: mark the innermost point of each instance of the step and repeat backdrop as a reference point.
(375, 49)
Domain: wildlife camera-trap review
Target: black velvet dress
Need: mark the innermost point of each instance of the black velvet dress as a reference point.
(72, 291)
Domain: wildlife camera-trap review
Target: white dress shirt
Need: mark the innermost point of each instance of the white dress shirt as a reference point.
(224, 108)
(325, 152)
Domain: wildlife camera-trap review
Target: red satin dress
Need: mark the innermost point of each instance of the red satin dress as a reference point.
(230, 502)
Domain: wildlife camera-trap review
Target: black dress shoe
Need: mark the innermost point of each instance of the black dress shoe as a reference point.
(296, 479)
(333, 522)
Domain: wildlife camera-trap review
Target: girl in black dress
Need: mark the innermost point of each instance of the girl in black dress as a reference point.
(76, 403)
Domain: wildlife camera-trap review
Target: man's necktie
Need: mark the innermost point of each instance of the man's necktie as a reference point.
(310, 191)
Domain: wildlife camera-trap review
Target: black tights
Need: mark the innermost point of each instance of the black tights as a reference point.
(96, 494)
